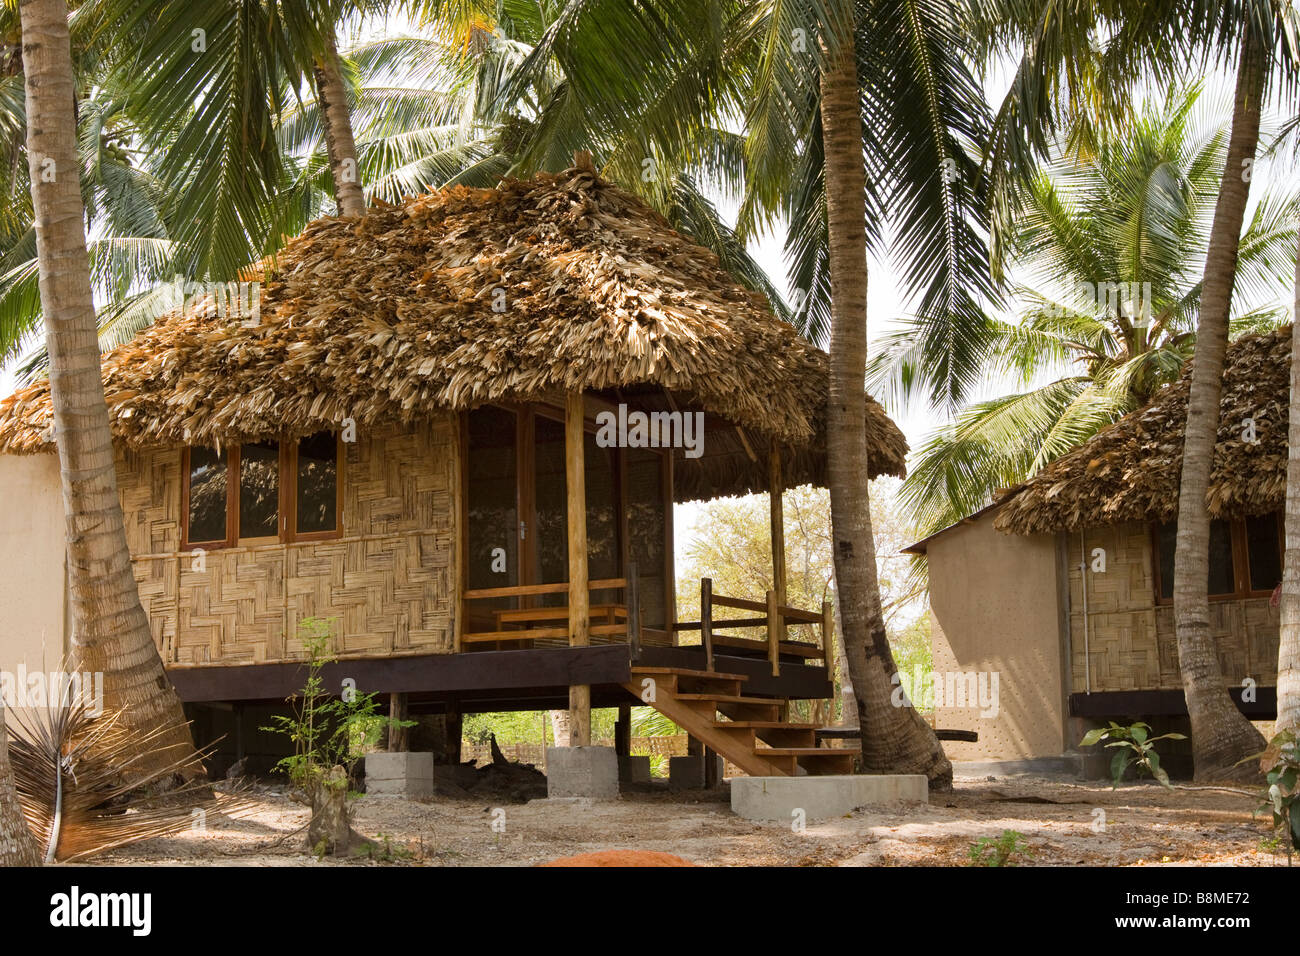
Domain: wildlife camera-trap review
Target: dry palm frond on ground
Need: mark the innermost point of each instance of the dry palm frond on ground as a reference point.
(77, 789)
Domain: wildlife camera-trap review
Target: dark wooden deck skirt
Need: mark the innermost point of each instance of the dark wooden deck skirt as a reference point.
(536, 679)
(1115, 704)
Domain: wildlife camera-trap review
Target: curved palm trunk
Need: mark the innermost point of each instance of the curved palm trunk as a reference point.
(1221, 736)
(894, 739)
(1288, 648)
(331, 94)
(17, 846)
(110, 633)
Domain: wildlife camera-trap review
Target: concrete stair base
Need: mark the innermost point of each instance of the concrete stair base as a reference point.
(821, 797)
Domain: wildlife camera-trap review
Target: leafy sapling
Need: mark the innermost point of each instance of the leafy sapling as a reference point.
(1133, 745)
(329, 733)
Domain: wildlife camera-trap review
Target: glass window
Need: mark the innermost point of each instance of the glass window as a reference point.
(1221, 576)
(259, 490)
(492, 507)
(316, 481)
(1221, 572)
(1264, 552)
(646, 530)
(209, 478)
(551, 507)
(604, 554)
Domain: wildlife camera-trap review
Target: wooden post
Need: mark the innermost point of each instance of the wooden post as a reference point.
(397, 741)
(455, 731)
(633, 612)
(623, 731)
(773, 645)
(776, 509)
(579, 596)
(706, 620)
(775, 488)
(828, 633)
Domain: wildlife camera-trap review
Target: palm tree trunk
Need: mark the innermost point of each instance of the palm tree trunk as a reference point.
(331, 95)
(17, 846)
(110, 632)
(1221, 736)
(894, 739)
(1288, 648)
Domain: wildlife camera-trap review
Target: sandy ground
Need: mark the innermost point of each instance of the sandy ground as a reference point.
(1060, 819)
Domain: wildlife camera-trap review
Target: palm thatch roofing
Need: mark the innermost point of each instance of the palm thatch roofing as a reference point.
(460, 297)
(1131, 470)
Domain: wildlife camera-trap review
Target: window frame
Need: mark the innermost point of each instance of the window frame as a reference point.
(1241, 589)
(288, 494)
(289, 512)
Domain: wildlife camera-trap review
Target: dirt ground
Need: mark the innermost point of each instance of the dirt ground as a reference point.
(1061, 821)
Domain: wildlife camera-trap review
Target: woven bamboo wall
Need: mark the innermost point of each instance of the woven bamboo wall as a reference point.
(1131, 638)
(388, 583)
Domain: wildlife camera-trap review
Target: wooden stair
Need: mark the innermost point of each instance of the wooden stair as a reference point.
(748, 731)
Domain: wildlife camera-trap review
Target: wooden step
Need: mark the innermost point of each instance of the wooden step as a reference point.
(688, 672)
(815, 760)
(734, 699)
(733, 706)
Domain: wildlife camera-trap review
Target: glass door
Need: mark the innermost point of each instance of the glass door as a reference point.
(492, 525)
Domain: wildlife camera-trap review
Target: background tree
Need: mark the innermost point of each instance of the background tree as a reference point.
(1085, 64)
(732, 544)
(1288, 648)
(1112, 243)
(1258, 34)
(110, 632)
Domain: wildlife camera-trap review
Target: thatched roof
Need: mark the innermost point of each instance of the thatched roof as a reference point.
(1131, 470)
(391, 317)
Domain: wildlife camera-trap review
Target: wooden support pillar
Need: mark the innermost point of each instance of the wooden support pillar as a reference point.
(633, 611)
(711, 780)
(455, 731)
(828, 635)
(775, 488)
(579, 597)
(706, 621)
(773, 626)
(777, 596)
(623, 731)
(397, 739)
(238, 713)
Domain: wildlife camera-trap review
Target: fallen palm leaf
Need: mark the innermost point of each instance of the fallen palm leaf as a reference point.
(80, 790)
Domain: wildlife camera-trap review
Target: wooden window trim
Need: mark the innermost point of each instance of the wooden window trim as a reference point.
(232, 500)
(289, 490)
(1240, 564)
(287, 510)
(265, 539)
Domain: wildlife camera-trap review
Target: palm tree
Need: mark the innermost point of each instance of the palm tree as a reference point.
(1221, 735)
(110, 632)
(858, 115)
(1088, 60)
(1288, 651)
(1134, 209)
(17, 846)
(336, 118)
(893, 739)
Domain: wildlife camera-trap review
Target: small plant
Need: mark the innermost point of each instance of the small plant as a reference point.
(1134, 744)
(385, 850)
(999, 851)
(329, 735)
(1280, 764)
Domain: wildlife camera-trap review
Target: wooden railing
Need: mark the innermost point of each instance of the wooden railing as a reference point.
(615, 622)
(776, 618)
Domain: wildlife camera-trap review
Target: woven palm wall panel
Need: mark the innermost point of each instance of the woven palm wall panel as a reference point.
(387, 584)
(1130, 636)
